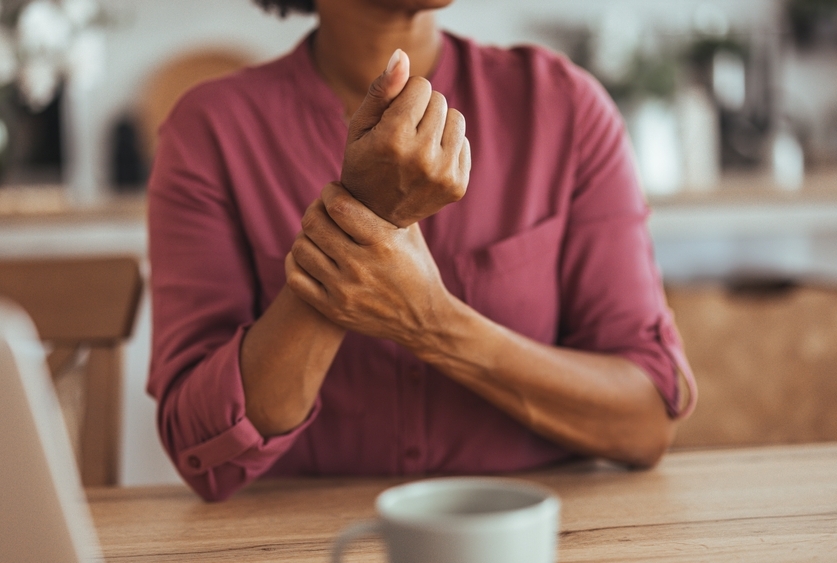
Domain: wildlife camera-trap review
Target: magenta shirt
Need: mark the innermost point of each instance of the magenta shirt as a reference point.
(550, 241)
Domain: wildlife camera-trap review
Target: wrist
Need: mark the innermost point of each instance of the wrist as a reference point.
(448, 338)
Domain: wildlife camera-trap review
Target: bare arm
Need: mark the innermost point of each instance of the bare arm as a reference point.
(284, 359)
(594, 403)
(372, 277)
(286, 354)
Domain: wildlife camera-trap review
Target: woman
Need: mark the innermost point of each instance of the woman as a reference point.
(308, 326)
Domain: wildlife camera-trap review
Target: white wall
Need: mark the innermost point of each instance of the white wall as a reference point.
(510, 21)
(147, 33)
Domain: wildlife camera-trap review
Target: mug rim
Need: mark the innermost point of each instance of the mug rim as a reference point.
(547, 504)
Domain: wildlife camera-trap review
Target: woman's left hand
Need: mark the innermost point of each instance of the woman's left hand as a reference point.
(364, 273)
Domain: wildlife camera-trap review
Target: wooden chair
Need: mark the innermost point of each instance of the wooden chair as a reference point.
(175, 77)
(83, 307)
(765, 360)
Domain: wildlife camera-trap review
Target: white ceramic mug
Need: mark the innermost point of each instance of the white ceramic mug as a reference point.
(463, 520)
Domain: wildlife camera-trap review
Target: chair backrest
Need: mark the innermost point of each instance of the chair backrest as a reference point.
(83, 304)
(765, 360)
(174, 78)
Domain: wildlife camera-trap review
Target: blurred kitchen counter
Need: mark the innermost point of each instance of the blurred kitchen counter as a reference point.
(747, 204)
(41, 221)
(744, 228)
(749, 228)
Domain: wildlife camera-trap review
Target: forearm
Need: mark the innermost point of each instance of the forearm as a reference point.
(593, 403)
(285, 356)
(378, 280)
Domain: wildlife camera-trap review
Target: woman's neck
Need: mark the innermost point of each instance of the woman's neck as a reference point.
(352, 46)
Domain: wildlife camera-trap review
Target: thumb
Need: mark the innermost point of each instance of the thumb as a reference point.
(382, 91)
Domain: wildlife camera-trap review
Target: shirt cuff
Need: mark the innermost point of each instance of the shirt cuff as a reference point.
(241, 442)
(662, 358)
(673, 346)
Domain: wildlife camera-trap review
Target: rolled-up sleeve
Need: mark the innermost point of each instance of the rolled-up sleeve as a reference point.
(204, 295)
(612, 298)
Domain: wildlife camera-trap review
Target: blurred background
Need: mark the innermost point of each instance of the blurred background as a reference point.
(731, 106)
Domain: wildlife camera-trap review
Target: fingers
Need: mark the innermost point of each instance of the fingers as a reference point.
(454, 133)
(457, 150)
(382, 92)
(302, 284)
(323, 233)
(465, 162)
(313, 259)
(355, 219)
(407, 110)
(432, 123)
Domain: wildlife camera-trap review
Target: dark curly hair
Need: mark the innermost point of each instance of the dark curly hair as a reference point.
(284, 7)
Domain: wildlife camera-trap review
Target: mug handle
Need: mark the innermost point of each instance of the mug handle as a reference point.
(350, 534)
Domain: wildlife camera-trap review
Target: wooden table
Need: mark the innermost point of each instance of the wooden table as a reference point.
(760, 505)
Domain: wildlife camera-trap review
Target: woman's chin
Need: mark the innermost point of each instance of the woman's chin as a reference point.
(415, 5)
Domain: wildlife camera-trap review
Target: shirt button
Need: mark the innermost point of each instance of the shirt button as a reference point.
(193, 462)
(412, 454)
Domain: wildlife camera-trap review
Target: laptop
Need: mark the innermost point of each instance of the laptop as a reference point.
(43, 511)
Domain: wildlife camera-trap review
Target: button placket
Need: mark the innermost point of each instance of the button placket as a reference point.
(414, 439)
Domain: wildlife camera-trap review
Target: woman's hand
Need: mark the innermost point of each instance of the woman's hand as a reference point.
(365, 274)
(406, 154)
(369, 276)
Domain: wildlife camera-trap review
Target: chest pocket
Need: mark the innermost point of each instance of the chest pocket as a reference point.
(514, 282)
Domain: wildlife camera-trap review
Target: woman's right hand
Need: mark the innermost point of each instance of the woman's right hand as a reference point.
(406, 154)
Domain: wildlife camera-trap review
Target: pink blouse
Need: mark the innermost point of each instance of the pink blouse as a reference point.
(550, 241)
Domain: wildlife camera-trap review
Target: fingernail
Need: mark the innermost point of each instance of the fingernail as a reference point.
(393, 61)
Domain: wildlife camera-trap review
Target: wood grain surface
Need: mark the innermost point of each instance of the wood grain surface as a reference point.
(775, 504)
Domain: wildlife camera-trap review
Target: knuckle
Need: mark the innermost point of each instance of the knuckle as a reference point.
(454, 187)
(395, 146)
(294, 281)
(450, 187)
(308, 221)
(419, 85)
(338, 206)
(423, 161)
(459, 191)
(448, 179)
(298, 250)
(385, 144)
(376, 89)
(341, 301)
(456, 121)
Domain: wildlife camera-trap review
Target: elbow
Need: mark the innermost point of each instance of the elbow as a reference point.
(647, 459)
(206, 486)
(209, 494)
(650, 448)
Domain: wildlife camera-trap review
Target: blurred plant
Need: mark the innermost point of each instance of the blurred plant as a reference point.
(704, 49)
(654, 76)
(630, 61)
(45, 42)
